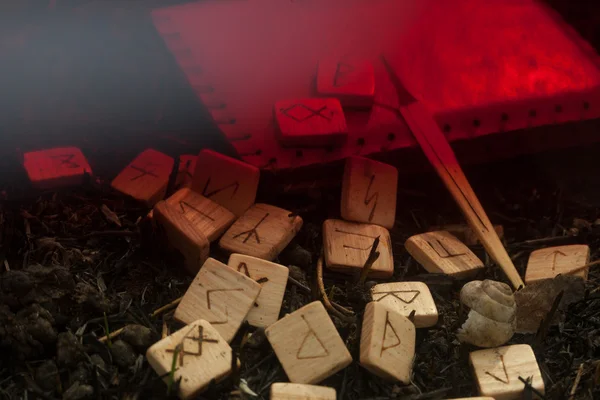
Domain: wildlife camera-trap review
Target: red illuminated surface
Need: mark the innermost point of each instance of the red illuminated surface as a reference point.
(52, 168)
(479, 67)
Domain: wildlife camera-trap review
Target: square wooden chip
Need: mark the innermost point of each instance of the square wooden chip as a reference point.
(207, 216)
(369, 190)
(299, 391)
(497, 371)
(308, 345)
(441, 252)
(220, 295)
(146, 177)
(347, 246)
(263, 232)
(54, 168)
(200, 354)
(387, 343)
(272, 279)
(182, 235)
(229, 182)
(350, 80)
(310, 122)
(406, 297)
(559, 260)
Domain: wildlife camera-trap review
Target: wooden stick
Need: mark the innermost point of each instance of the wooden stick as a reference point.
(442, 158)
(112, 335)
(167, 307)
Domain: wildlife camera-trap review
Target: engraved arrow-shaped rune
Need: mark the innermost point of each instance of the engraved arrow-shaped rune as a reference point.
(554, 254)
(373, 198)
(235, 185)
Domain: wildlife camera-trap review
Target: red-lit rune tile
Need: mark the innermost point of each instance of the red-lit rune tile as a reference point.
(52, 168)
(352, 82)
(310, 122)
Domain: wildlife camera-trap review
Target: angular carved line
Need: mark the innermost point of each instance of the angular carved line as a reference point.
(143, 172)
(448, 253)
(252, 231)
(308, 334)
(235, 185)
(374, 196)
(501, 356)
(388, 323)
(66, 159)
(394, 293)
(355, 234)
(339, 73)
(209, 292)
(200, 339)
(185, 203)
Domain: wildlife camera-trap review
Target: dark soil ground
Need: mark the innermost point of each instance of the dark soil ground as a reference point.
(70, 275)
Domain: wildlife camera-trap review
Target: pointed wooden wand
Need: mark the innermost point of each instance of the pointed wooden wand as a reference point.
(441, 156)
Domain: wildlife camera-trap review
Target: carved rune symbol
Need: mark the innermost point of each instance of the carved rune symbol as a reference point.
(505, 379)
(235, 185)
(66, 160)
(554, 254)
(398, 294)
(342, 70)
(143, 171)
(390, 337)
(209, 292)
(445, 252)
(373, 198)
(200, 339)
(183, 203)
(356, 234)
(253, 231)
(244, 267)
(311, 346)
(185, 168)
(300, 112)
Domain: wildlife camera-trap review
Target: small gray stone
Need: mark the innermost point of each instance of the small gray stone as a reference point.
(68, 350)
(122, 353)
(138, 336)
(46, 376)
(78, 391)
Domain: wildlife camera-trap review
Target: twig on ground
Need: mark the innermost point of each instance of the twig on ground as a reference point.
(166, 307)
(373, 256)
(348, 316)
(576, 383)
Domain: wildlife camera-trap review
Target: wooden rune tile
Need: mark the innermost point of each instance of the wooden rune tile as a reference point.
(299, 391)
(200, 353)
(347, 246)
(308, 345)
(310, 122)
(465, 233)
(146, 177)
(182, 235)
(220, 295)
(552, 261)
(351, 81)
(441, 252)
(387, 343)
(263, 231)
(497, 371)
(58, 167)
(187, 166)
(406, 297)
(369, 191)
(207, 216)
(272, 278)
(231, 183)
